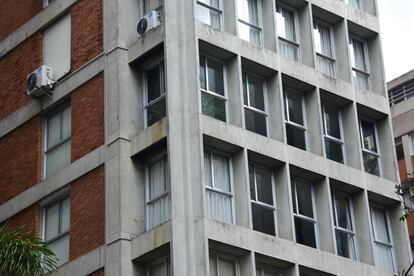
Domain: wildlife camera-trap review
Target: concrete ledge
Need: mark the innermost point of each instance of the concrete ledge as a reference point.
(303, 159)
(53, 183)
(84, 265)
(38, 22)
(149, 136)
(287, 250)
(150, 240)
(146, 43)
(66, 86)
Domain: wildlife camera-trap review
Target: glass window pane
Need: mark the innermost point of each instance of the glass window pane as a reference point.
(379, 220)
(221, 173)
(158, 211)
(158, 270)
(285, 21)
(213, 266)
(207, 169)
(66, 123)
(304, 196)
(154, 89)
(296, 136)
(368, 136)
(334, 151)
(52, 222)
(322, 40)
(383, 256)
(255, 122)
(213, 106)
(371, 163)
(294, 105)
(219, 206)
(157, 185)
(345, 244)
(54, 130)
(343, 211)
(249, 33)
(289, 50)
(156, 112)
(58, 158)
(65, 215)
(215, 77)
(256, 93)
(264, 185)
(305, 232)
(360, 80)
(213, 3)
(325, 65)
(226, 267)
(247, 11)
(203, 72)
(252, 183)
(208, 16)
(263, 219)
(358, 55)
(61, 249)
(331, 117)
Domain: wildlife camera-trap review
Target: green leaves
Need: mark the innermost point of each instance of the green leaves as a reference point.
(23, 254)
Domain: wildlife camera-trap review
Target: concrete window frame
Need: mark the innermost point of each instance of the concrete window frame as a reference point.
(329, 58)
(255, 201)
(330, 138)
(204, 6)
(164, 195)
(376, 241)
(337, 228)
(265, 112)
(163, 95)
(302, 217)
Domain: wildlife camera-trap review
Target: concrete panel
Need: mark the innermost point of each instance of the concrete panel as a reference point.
(150, 240)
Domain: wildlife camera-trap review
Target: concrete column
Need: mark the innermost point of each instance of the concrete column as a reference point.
(241, 189)
(376, 66)
(324, 215)
(387, 150)
(230, 16)
(189, 253)
(235, 92)
(275, 106)
(284, 204)
(314, 121)
(269, 24)
(305, 31)
(405, 140)
(351, 132)
(340, 31)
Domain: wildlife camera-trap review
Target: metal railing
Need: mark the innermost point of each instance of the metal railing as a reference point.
(401, 92)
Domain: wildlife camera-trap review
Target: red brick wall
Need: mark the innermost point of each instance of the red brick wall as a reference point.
(14, 13)
(14, 68)
(87, 213)
(100, 272)
(402, 170)
(20, 159)
(87, 31)
(410, 223)
(28, 219)
(88, 117)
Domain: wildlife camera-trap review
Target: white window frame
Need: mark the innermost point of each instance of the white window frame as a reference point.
(361, 139)
(163, 155)
(256, 201)
(352, 219)
(158, 63)
(319, 22)
(57, 198)
(391, 244)
(212, 93)
(286, 91)
(341, 130)
(264, 112)
(230, 194)
(367, 73)
(47, 150)
(219, 255)
(251, 25)
(303, 217)
(165, 261)
(217, 10)
(295, 43)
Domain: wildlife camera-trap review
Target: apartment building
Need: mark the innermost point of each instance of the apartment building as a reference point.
(239, 137)
(400, 92)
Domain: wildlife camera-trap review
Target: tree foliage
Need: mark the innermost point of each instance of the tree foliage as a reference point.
(23, 254)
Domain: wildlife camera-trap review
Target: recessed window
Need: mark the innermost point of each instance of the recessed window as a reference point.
(209, 12)
(255, 110)
(332, 133)
(160, 267)
(223, 265)
(383, 246)
(150, 5)
(295, 123)
(56, 228)
(359, 61)
(218, 186)
(57, 140)
(370, 151)
(354, 3)
(262, 199)
(249, 25)
(213, 96)
(325, 55)
(267, 270)
(344, 225)
(304, 212)
(154, 94)
(287, 33)
(157, 191)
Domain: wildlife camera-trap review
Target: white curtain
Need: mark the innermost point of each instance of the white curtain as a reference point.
(383, 252)
(383, 256)
(58, 158)
(359, 55)
(247, 11)
(325, 39)
(219, 206)
(326, 66)
(221, 173)
(288, 50)
(285, 21)
(61, 249)
(207, 15)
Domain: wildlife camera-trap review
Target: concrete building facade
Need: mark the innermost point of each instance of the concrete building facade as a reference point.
(237, 138)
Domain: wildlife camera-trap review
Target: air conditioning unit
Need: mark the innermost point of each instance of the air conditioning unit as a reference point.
(150, 21)
(39, 82)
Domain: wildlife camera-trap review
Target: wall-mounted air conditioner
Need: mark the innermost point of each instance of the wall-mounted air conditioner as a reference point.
(150, 21)
(39, 82)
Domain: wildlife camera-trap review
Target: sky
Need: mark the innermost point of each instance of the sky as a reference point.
(397, 35)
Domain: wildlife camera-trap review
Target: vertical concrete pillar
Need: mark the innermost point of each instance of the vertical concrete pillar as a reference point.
(230, 16)
(284, 204)
(305, 31)
(269, 25)
(406, 143)
(314, 121)
(351, 136)
(324, 215)
(376, 66)
(235, 92)
(241, 189)
(387, 150)
(340, 31)
(275, 106)
(401, 240)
